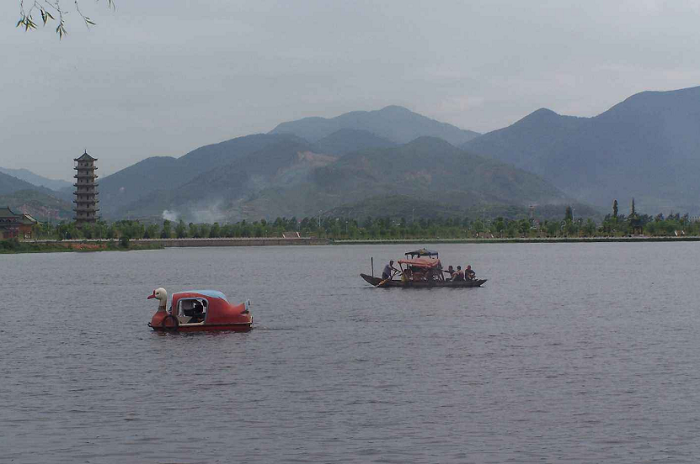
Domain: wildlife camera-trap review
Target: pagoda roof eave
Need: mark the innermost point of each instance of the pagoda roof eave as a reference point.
(85, 157)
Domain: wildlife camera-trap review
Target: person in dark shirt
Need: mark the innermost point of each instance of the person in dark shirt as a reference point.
(198, 315)
(469, 273)
(451, 271)
(388, 270)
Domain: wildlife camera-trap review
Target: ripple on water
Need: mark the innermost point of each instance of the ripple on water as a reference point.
(568, 354)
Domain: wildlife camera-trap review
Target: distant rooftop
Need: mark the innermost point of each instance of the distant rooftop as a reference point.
(85, 157)
(7, 213)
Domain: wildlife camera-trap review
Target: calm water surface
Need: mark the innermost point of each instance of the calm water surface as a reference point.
(569, 353)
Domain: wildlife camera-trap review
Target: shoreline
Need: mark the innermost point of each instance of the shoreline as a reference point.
(68, 246)
(91, 245)
(693, 238)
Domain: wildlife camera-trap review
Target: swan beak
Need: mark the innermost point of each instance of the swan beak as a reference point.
(151, 296)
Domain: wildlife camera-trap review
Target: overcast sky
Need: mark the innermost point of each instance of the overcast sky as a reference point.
(162, 77)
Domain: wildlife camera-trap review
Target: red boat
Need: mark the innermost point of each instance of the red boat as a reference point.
(422, 269)
(198, 311)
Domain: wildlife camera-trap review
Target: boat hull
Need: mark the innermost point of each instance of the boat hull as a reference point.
(423, 284)
(204, 328)
(165, 322)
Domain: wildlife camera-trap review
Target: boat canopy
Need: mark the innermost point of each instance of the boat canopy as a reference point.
(422, 252)
(427, 263)
(201, 294)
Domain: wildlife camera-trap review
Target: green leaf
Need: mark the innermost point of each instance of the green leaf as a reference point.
(61, 30)
(28, 23)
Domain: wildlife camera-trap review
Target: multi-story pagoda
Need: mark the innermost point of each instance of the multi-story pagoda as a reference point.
(85, 190)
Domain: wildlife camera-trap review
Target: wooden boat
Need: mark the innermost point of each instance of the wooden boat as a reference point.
(421, 269)
(199, 311)
(423, 283)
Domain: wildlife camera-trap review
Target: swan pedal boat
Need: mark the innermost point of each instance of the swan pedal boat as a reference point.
(199, 311)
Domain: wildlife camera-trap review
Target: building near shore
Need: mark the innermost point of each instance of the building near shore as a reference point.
(15, 225)
(86, 202)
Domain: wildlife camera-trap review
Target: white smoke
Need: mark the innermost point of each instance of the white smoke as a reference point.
(170, 215)
(209, 215)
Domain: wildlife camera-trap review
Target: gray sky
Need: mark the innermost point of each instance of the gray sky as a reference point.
(162, 77)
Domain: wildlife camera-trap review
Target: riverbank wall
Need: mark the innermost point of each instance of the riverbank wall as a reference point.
(183, 242)
(640, 238)
(228, 242)
(159, 243)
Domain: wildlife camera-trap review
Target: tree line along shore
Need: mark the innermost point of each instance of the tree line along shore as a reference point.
(127, 234)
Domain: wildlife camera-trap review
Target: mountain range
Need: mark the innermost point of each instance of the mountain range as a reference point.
(394, 123)
(646, 147)
(40, 202)
(34, 179)
(239, 177)
(288, 176)
(392, 161)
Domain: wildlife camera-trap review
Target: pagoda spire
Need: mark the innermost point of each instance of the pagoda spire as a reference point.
(86, 202)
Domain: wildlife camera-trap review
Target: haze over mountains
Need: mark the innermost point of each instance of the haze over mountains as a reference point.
(34, 179)
(40, 202)
(393, 123)
(288, 176)
(393, 161)
(647, 147)
(282, 173)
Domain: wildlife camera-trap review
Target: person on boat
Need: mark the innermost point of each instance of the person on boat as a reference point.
(451, 271)
(469, 273)
(418, 274)
(459, 275)
(389, 269)
(198, 313)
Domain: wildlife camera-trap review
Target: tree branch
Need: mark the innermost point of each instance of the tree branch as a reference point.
(51, 10)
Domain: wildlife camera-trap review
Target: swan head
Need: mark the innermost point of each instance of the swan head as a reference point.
(161, 295)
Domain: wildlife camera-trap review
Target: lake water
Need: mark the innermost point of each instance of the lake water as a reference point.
(569, 353)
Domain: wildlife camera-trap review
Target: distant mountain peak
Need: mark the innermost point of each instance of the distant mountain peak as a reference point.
(35, 179)
(645, 146)
(396, 109)
(544, 112)
(650, 102)
(394, 123)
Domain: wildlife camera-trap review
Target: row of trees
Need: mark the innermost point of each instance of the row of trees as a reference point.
(385, 228)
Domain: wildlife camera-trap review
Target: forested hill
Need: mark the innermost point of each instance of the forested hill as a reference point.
(35, 179)
(10, 184)
(646, 147)
(394, 123)
(291, 177)
(346, 141)
(139, 182)
(40, 202)
(40, 206)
